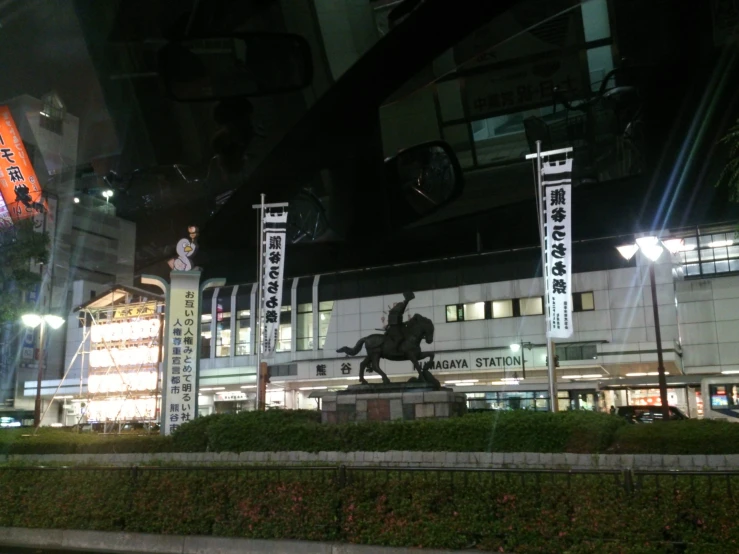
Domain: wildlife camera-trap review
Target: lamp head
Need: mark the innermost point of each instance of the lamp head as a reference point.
(31, 320)
(628, 250)
(650, 247)
(54, 321)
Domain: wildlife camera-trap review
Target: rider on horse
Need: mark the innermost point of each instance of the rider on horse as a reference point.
(394, 331)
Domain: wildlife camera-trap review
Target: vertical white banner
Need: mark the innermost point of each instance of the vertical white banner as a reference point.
(179, 388)
(556, 180)
(274, 263)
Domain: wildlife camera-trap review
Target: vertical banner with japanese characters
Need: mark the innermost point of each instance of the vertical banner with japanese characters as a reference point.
(179, 386)
(273, 252)
(19, 186)
(556, 181)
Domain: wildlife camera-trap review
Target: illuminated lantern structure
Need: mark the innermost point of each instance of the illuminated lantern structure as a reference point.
(120, 357)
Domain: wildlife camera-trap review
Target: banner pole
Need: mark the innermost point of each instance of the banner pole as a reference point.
(551, 377)
(258, 326)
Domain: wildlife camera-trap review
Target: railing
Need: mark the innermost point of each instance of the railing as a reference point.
(630, 480)
(488, 508)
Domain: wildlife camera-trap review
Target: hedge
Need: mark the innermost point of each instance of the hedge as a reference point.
(521, 431)
(301, 430)
(514, 513)
(678, 437)
(64, 441)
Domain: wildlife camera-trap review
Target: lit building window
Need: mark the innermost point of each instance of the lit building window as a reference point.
(452, 313)
(324, 318)
(205, 335)
(223, 334)
(531, 306)
(305, 327)
(474, 311)
(243, 333)
(502, 308)
(285, 335)
(583, 302)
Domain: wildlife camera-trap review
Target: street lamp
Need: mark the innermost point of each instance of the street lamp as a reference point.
(515, 347)
(107, 194)
(652, 249)
(32, 321)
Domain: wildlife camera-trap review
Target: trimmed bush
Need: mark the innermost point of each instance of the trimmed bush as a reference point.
(679, 437)
(301, 430)
(516, 513)
(61, 441)
(494, 432)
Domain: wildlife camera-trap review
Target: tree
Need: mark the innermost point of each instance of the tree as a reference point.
(20, 246)
(730, 173)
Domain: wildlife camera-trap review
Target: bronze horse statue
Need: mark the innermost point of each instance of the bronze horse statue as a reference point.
(417, 329)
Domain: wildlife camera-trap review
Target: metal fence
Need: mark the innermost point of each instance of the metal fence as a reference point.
(123, 496)
(629, 480)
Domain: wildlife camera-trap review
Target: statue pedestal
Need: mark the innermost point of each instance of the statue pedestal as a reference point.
(394, 401)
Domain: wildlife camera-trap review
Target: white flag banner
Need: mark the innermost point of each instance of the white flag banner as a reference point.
(274, 263)
(556, 180)
(275, 217)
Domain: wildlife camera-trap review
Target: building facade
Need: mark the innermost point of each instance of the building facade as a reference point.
(611, 359)
(89, 246)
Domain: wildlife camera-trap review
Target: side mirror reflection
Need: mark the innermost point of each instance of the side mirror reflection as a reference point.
(426, 177)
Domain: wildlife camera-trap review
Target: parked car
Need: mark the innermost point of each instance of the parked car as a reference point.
(648, 414)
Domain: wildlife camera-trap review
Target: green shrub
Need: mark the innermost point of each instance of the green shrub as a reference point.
(301, 430)
(679, 437)
(497, 432)
(65, 441)
(516, 513)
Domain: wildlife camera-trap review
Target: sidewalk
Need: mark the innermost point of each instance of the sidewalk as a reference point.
(140, 543)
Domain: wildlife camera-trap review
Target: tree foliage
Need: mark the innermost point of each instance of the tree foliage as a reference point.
(730, 173)
(19, 246)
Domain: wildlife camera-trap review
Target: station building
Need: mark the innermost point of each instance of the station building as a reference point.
(489, 331)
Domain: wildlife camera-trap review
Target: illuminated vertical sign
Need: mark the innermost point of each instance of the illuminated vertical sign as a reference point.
(179, 388)
(19, 186)
(556, 196)
(274, 263)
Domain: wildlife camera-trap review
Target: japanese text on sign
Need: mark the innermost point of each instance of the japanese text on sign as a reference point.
(557, 207)
(274, 262)
(522, 87)
(19, 187)
(179, 384)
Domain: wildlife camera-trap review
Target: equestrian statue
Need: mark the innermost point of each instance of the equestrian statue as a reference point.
(400, 342)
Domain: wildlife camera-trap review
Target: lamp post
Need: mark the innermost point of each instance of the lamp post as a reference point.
(652, 249)
(32, 321)
(515, 347)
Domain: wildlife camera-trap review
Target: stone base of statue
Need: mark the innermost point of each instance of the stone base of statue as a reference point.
(391, 402)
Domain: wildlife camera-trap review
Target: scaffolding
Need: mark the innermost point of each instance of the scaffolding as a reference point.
(119, 362)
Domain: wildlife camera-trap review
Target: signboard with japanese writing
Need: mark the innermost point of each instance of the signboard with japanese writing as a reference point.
(273, 259)
(527, 85)
(137, 310)
(556, 181)
(179, 387)
(19, 186)
(502, 360)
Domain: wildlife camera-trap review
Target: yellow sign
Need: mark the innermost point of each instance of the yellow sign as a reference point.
(137, 310)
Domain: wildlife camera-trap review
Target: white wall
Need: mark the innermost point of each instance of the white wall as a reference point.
(623, 315)
(708, 313)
